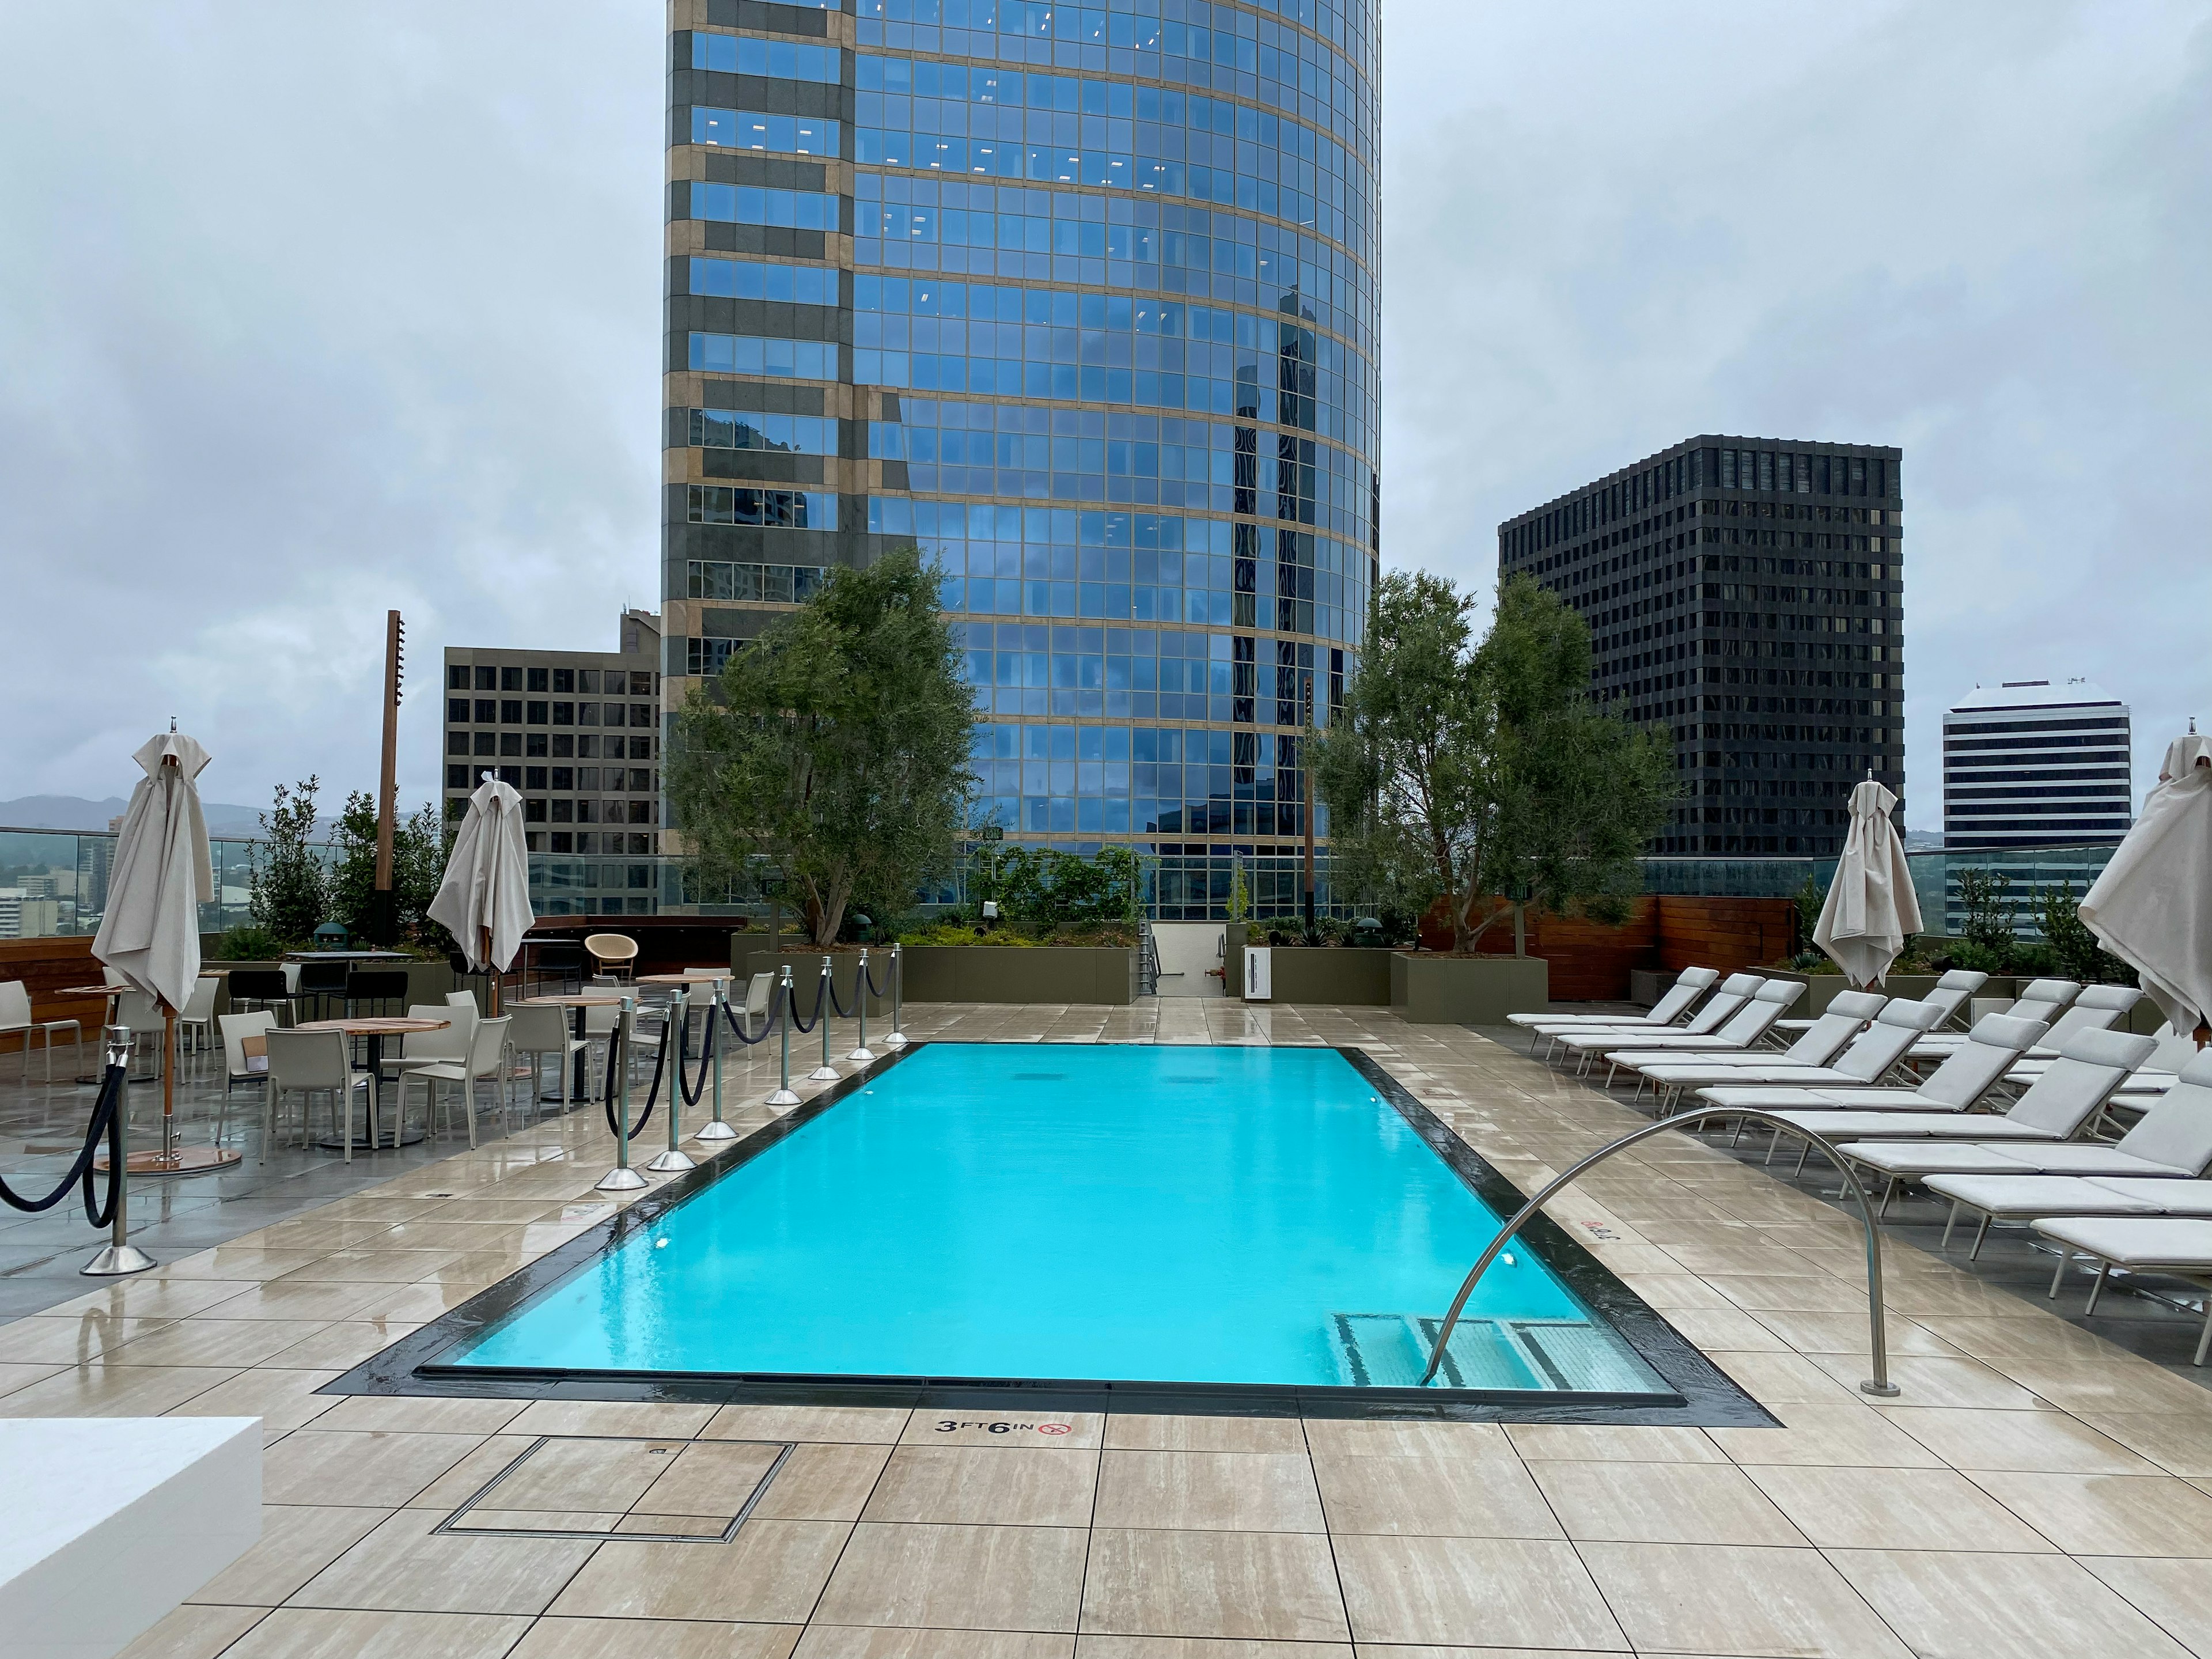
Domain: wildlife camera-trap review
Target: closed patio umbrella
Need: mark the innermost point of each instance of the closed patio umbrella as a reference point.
(149, 933)
(1871, 910)
(484, 900)
(2152, 907)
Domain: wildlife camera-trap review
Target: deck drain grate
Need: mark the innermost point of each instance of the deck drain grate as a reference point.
(662, 1491)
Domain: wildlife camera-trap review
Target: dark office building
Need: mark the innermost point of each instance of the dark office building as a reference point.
(1745, 595)
(1083, 303)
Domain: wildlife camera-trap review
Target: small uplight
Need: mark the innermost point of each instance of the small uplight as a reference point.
(662, 1244)
(1507, 1258)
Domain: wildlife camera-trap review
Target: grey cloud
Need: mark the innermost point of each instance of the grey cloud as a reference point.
(1978, 231)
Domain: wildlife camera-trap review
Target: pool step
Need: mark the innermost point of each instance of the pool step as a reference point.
(1391, 1350)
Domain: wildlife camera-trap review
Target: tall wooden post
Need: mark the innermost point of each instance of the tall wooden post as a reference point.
(384, 914)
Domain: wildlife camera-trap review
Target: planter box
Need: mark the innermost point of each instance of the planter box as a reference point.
(1344, 976)
(1022, 974)
(1648, 985)
(1436, 990)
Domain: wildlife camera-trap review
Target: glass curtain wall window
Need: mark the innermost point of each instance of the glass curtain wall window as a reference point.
(1084, 305)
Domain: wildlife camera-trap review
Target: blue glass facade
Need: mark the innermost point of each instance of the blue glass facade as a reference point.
(1084, 302)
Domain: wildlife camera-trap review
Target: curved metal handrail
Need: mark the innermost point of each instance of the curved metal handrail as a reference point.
(1879, 1385)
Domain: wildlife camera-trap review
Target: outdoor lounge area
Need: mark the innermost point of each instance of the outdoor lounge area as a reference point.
(2030, 1489)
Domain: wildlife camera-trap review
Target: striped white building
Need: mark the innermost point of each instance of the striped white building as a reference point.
(2036, 763)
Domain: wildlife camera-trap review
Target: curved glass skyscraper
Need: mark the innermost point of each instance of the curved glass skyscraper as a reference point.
(1084, 300)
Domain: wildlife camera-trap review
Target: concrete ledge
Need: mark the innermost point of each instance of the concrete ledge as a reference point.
(1021, 973)
(1438, 990)
(111, 1522)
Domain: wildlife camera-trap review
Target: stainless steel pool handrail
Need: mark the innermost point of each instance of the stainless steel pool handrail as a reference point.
(1879, 1386)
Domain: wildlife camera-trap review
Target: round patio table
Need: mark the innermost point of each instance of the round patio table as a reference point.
(375, 1029)
(579, 1002)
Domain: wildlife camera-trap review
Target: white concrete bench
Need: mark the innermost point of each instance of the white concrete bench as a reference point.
(109, 1523)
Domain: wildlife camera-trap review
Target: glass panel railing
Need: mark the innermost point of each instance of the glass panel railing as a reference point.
(55, 881)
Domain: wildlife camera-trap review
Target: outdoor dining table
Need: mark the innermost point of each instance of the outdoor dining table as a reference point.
(375, 1029)
(579, 1002)
(112, 992)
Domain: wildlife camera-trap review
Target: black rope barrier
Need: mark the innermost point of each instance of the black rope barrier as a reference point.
(690, 1091)
(843, 1013)
(805, 1026)
(614, 1072)
(107, 1124)
(737, 1025)
(874, 990)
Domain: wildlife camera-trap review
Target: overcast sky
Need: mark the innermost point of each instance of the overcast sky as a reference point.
(310, 312)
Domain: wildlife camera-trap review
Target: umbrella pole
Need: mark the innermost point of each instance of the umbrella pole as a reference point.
(169, 1083)
(490, 971)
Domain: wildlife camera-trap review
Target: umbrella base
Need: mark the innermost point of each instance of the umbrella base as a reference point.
(186, 1160)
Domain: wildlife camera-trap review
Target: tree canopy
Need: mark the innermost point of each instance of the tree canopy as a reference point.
(1485, 771)
(833, 750)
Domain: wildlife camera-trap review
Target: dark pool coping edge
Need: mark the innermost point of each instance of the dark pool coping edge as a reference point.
(1704, 1395)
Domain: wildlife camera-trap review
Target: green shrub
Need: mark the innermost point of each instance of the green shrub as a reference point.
(247, 943)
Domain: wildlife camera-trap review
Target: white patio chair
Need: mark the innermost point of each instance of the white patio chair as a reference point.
(310, 1063)
(196, 1020)
(485, 1060)
(17, 1020)
(537, 1031)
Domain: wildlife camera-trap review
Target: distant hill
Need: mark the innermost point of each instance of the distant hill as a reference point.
(75, 812)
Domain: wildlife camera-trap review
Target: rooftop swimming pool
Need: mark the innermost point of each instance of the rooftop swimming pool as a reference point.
(1283, 1221)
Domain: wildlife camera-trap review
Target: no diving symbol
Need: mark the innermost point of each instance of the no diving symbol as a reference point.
(1054, 1428)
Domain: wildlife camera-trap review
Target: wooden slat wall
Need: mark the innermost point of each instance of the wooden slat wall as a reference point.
(1589, 961)
(45, 965)
(1727, 934)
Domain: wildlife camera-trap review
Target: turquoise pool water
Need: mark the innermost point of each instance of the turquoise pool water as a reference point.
(1079, 1212)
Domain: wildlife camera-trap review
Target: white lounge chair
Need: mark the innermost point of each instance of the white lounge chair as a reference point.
(1689, 985)
(1819, 1045)
(2152, 1077)
(1745, 1029)
(1721, 1007)
(1753, 1024)
(2151, 1168)
(1731, 995)
(2041, 999)
(1950, 993)
(2159, 1244)
(1870, 1059)
(1909, 1146)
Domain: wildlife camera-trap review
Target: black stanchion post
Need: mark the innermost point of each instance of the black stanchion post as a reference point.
(674, 1160)
(861, 1055)
(120, 1256)
(713, 1128)
(783, 1096)
(897, 1038)
(622, 1178)
(825, 1072)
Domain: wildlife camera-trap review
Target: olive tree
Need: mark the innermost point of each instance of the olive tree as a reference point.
(833, 750)
(1484, 770)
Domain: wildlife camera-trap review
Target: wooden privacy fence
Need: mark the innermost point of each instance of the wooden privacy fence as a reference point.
(1590, 961)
